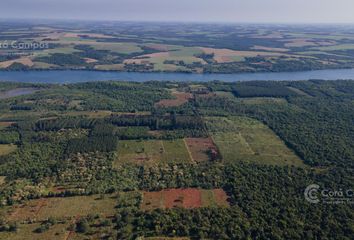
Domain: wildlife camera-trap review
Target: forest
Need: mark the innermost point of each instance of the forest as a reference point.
(246, 150)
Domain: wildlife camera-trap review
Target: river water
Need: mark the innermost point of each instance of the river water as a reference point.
(70, 76)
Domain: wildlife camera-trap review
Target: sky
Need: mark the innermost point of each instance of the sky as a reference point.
(259, 11)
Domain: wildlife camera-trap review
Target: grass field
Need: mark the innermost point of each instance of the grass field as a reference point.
(7, 149)
(26, 231)
(122, 48)
(245, 139)
(152, 152)
(41, 209)
(185, 198)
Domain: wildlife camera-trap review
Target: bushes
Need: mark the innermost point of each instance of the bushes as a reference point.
(7, 137)
(62, 59)
(261, 89)
(92, 144)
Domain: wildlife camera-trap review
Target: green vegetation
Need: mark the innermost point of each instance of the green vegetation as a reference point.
(102, 160)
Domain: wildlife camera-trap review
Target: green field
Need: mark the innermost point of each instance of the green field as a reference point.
(246, 139)
(152, 152)
(7, 149)
(68, 207)
(26, 231)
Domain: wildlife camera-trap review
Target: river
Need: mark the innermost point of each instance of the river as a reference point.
(69, 76)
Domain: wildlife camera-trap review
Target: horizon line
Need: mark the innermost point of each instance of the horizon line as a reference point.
(175, 21)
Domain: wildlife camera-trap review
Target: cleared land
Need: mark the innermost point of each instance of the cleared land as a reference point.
(5, 124)
(184, 198)
(227, 55)
(173, 55)
(68, 207)
(6, 149)
(201, 149)
(245, 139)
(180, 99)
(152, 152)
(23, 60)
(26, 231)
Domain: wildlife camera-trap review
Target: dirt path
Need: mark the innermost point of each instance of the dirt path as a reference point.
(246, 143)
(189, 152)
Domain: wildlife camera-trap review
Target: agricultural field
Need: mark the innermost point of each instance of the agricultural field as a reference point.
(198, 48)
(180, 99)
(245, 139)
(63, 208)
(202, 149)
(184, 198)
(152, 152)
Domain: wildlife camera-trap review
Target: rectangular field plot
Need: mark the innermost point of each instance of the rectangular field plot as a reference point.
(184, 198)
(152, 152)
(202, 149)
(246, 139)
(68, 207)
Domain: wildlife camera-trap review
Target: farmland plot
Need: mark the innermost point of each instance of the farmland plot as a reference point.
(245, 139)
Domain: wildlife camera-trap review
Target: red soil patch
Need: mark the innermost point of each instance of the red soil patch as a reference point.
(181, 98)
(186, 198)
(199, 148)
